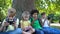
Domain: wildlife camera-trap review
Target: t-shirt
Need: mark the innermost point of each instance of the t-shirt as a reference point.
(24, 24)
(36, 24)
(10, 27)
(46, 23)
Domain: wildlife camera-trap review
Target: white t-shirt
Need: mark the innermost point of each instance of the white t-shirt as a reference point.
(10, 27)
(46, 23)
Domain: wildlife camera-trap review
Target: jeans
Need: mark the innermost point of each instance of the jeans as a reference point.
(48, 30)
(3, 33)
(16, 31)
(38, 31)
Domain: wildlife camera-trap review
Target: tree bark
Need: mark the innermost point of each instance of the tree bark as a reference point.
(23, 5)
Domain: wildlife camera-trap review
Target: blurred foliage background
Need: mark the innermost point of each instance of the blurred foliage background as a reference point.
(4, 5)
(51, 7)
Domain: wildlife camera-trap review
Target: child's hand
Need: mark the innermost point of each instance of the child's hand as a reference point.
(26, 28)
(30, 27)
(0, 29)
(14, 24)
(6, 24)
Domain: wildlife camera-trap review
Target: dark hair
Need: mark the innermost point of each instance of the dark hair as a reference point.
(43, 13)
(34, 11)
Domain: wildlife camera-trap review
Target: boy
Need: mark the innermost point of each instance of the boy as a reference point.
(44, 20)
(11, 22)
(25, 23)
(35, 22)
(46, 25)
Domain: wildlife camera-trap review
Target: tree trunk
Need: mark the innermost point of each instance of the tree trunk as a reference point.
(23, 5)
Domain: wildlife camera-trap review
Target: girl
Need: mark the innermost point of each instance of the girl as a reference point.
(25, 23)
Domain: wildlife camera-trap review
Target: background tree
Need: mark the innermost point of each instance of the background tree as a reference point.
(23, 5)
(48, 6)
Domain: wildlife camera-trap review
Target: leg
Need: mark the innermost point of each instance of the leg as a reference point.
(55, 30)
(38, 31)
(3, 33)
(17, 31)
(49, 30)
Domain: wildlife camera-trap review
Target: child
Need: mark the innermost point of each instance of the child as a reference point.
(44, 20)
(25, 23)
(11, 22)
(35, 22)
(11, 19)
(46, 25)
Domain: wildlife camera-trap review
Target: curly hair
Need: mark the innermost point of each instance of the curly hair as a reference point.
(34, 11)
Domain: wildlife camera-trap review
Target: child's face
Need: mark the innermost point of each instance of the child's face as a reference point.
(35, 15)
(11, 13)
(44, 16)
(26, 17)
(10, 18)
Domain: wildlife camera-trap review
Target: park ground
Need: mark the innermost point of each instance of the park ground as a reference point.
(55, 25)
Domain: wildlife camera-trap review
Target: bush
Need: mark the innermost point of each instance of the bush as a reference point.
(4, 5)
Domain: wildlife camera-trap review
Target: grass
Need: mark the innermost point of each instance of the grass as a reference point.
(58, 27)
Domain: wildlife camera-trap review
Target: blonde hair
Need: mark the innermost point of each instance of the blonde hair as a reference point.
(11, 10)
(25, 13)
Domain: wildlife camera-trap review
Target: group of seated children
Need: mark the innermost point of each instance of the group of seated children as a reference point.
(29, 23)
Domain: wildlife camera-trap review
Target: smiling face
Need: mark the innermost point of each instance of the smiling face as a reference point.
(35, 15)
(44, 16)
(25, 15)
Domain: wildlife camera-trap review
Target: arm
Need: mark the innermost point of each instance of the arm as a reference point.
(4, 24)
(40, 21)
(31, 29)
(32, 21)
(29, 23)
(2, 27)
(17, 23)
(21, 25)
(48, 23)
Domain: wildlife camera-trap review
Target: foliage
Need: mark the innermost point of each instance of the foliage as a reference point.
(50, 7)
(4, 5)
